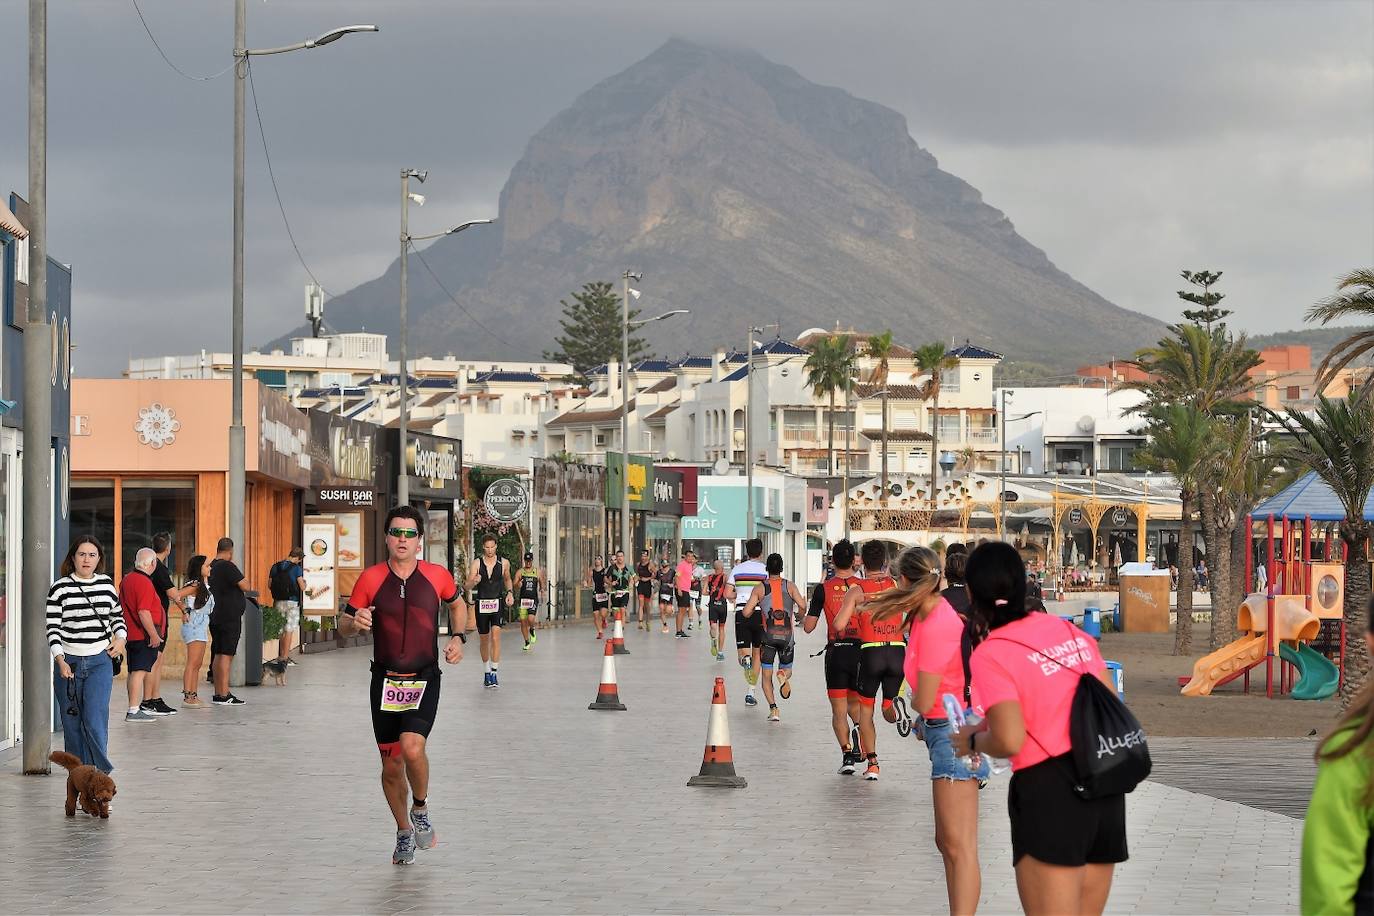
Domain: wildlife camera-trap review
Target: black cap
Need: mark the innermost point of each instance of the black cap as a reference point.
(529, 556)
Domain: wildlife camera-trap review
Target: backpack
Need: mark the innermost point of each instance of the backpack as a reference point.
(957, 596)
(280, 581)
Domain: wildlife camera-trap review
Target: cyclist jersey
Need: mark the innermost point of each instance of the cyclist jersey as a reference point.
(828, 598)
(405, 614)
(886, 630)
(529, 584)
(620, 579)
(777, 607)
(744, 578)
(715, 587)
(491, 586)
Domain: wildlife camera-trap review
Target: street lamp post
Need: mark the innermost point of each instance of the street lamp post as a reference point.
(1002, 496)
(237, 442)
(749, 427)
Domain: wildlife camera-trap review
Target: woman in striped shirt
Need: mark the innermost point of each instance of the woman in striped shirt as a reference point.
(85, 631)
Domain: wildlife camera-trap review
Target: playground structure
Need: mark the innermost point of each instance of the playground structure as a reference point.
(1288, 619)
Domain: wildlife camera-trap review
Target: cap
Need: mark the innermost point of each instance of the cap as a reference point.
(529, 556)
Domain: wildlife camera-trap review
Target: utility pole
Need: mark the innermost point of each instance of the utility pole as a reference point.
(403, 481)
(36, 660)
(748, 433)
(1002, 496)
(625, 544)
(238, 460)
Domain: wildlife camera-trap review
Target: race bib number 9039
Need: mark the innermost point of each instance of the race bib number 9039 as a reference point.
(401, 696)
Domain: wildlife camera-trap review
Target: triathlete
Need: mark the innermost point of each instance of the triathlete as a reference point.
(717, 608)
(841, 653)
(666, 592)
(744, 578)
(882, 651)
(698, 593)
(401, 609)
(645, 586)
(530, 582)
(619, 579)
(778, 602)
(601, 596)
(489, 578)
(684, 577)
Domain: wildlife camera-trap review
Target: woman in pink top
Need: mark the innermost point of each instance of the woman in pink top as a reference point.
(1025, 674)
(934, 666)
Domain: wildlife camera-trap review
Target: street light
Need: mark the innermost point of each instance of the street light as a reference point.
(1002, 497)
(403, 479)
(749, 426)
(237, 443)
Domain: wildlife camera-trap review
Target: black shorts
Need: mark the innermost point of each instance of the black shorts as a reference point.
(600, 603)
(1050, 822)
(621, 599)
(778, 651)
(387, 726)
(684, 599)
(842, 668)
(142, 656)
(880, 667)
(224, 635)
(748, 631)
(646, 589)
(717, 611)
(486, 621)
(665, 596)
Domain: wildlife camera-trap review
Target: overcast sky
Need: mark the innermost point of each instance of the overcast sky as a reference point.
(1128, 140)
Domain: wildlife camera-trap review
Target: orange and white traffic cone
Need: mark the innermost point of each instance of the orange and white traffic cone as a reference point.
(618, 634)
(608, 694)
(718, 763)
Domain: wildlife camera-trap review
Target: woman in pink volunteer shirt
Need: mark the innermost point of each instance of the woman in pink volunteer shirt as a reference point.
(1024, 676)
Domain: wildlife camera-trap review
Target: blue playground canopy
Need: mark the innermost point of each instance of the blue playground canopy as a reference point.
(1308, 497)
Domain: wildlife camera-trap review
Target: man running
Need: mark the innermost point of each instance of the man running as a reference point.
(620, 580)
(683, 577)
(841, 654)
(882, 649)
(489, 577)
(601, 597)
(744, 578)
(645, 586)
(531, 581)
(666, 591)
(399, 603)
(716, 608)
(779, 604)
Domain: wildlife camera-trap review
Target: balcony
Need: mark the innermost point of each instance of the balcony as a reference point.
(797, 435)
(982, 436)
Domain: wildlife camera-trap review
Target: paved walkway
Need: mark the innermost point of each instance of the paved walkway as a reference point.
(545, 807)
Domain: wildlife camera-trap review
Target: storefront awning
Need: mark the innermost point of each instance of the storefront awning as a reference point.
(10, 223)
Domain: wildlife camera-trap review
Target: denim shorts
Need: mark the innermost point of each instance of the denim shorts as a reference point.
(195, 627)
(943, 763)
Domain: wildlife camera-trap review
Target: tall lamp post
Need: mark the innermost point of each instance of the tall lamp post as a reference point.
(749, 427)
(1002, 496)
(403, 478)
(237, 443)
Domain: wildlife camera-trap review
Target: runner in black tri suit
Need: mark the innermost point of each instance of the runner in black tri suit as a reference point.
(666, 592)
(399, 602)
(645, 585)
(601, 597)
(489, 579)
(619, 578)
(530, 584)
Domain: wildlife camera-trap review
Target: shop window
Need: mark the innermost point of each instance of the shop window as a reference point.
(152, 506)
(93, 512)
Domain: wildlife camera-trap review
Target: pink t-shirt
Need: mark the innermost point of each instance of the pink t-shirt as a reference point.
(684, 575)
(1035, 662)
(934, 649)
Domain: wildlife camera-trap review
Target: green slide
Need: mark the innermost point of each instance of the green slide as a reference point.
(1317, 676)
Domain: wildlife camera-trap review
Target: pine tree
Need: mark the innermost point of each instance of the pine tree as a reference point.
(1208, 312)
(592, 329)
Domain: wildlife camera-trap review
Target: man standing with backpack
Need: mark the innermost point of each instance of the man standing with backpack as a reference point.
(287, 582)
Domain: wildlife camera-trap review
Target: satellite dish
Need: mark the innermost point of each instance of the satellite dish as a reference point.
(1086, 423)
(720, 467)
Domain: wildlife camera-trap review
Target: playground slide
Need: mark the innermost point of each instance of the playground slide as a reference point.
(1230, 661)
(1318, 677)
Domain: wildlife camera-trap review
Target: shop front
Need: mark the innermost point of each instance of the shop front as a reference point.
(641, 479)
(343, 495)
(720, 524)
(568, 504)
(434, 466)
(663, 529)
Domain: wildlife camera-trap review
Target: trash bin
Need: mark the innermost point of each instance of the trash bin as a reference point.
(252, 642)
(1118, 678)
(1116, 617)
(1092, 622)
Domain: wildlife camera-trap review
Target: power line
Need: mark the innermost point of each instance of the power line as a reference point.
(275, 190)
(198, 79)
(475, 320)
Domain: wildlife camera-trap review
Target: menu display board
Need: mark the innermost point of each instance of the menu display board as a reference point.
(321, 537)
(350, 528)
(436, 537)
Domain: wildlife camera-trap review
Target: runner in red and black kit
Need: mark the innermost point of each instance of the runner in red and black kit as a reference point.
(882, 648)
(399, 602)
(841, 654)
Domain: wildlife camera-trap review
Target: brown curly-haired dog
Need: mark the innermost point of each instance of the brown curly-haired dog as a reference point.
(85, 782)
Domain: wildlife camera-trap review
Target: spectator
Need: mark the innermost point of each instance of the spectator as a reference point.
(146, 621)
(227, 587)
(1336, 873)
(168, 594)
(287, 582)
(85, 632)
(195, 630)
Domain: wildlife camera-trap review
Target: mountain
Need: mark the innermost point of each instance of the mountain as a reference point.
(748, 195)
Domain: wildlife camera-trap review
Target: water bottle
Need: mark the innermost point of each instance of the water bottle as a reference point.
(957, 720)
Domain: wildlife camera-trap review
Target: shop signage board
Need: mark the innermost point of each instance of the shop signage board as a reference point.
(556, 483)
(283, 434)
(321, 538)
(817, 505)
(342, 452)
(1075, 516)
(548, 476)
(506, 500)
(433, 463)
(1120, 517)
(721, 513)
(350, 527)
(667, 492)
(330, 499)
(641, 478)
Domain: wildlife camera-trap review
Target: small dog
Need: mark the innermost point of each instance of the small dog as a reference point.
(93, 788)
(277, 668)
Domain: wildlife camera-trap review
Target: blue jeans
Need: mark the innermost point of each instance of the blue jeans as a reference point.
(87, 734)
(943, 763)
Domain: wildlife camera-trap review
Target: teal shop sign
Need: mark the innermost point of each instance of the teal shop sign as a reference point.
(721, 513)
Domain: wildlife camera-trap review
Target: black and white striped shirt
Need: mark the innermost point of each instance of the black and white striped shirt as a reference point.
(82, 615)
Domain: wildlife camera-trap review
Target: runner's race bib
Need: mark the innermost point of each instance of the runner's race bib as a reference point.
(602, 597)
(527, 603)
(488, 605)
(400, 695)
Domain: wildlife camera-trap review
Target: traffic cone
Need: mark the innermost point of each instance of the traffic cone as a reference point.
(718, 763)
(608, 694)
(618, 634)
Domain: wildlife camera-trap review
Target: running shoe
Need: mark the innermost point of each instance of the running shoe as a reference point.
(903, 716)
(665, 628)
(405, 848)
(785, 689)
(526, 646)
(715, 649)
(291, 662)
(872, 772)
(155, 708)
(534, 637)
(749, 700)
(600, 635)
(849, 762)
(854, 743)
(744, 661)
(141, 716)
(720, 656)
(494, 681)
(773, 714)
(678, 635)
(227, 700)
(425, 837)
(486, 679)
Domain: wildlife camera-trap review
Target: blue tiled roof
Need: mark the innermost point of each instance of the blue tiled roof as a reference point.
(651, 365)
(394, 378)
(495, 375)
(1308, 497)
(598, 370)
(435, 383)
(969, 351)
(737, 375)
(693, 362)
(782, 347)
(333, 391)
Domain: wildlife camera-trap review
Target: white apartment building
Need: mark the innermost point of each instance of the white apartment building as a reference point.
(1073, 431)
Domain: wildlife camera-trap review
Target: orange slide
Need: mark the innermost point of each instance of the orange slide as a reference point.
(1227, 662)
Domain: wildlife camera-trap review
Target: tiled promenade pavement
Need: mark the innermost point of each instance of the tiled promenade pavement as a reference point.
(543, 806)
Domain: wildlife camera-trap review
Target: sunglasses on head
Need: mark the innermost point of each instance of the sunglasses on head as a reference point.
(403, 532)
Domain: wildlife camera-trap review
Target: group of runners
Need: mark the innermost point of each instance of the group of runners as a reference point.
(681, 590)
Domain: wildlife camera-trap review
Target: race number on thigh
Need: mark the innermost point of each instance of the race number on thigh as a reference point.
(488, 605)
(401, 695)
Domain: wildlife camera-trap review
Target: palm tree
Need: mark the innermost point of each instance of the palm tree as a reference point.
(934, 358)
(880, 351)
(1337, 442)
(830, 369)
(1180, 438)
(1354, 297)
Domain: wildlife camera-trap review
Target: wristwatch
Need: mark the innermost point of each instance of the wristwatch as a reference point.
(462, 636)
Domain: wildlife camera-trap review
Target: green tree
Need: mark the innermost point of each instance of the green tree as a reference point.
(830, 369)
(1337, 442)
(592, 327)
(880, 351)
(934, 358)
(1354, 298)
(1208, 312)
